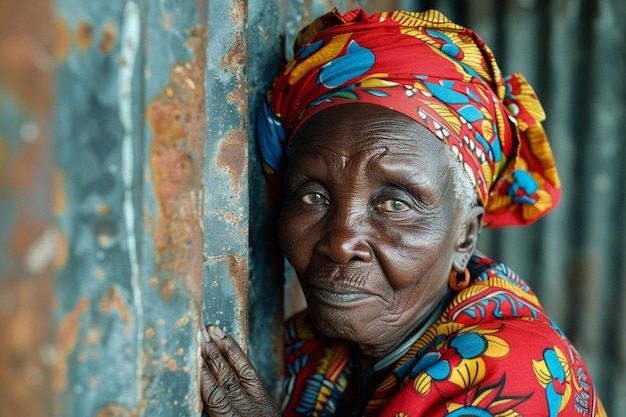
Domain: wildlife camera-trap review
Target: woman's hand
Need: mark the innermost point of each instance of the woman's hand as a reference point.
(229, 384)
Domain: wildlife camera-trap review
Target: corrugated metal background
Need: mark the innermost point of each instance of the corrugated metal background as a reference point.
(132, 207)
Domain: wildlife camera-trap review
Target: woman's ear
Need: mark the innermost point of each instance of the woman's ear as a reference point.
(468, 232)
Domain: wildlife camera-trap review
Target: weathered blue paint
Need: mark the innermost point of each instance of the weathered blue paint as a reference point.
(96, 324)
(128, 296)
(226, 175)
(265, 293)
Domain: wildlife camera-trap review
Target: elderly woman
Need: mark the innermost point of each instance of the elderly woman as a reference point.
(394, 139)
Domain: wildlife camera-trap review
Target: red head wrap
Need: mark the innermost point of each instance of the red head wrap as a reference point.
(436, 72)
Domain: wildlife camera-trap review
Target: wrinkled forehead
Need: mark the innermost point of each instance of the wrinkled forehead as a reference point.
(362, 127)
(372, 138)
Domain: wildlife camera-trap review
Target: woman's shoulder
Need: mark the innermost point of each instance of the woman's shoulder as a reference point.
(495, 348)
(496, 293)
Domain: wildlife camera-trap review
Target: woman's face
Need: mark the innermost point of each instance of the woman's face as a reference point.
(370, 224)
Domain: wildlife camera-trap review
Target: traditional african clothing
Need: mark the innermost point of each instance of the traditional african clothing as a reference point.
(493, 352)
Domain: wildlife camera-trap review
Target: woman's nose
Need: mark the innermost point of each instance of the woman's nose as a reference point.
(345, 240)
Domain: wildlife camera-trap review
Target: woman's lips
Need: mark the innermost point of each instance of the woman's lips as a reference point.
(338, 294)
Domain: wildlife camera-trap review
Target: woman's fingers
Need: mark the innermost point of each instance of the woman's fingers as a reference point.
(240, 363)
(217, 352)
(237, 376)
(216, 401)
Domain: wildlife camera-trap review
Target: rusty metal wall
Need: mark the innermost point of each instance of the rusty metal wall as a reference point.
(133, 209)
(129, 144)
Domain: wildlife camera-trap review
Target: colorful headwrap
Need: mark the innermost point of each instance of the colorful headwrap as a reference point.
(436, 72)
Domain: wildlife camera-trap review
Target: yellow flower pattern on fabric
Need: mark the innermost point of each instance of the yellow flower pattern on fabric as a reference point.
(471, 344)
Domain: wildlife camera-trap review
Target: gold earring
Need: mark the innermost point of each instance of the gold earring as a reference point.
(457, 285)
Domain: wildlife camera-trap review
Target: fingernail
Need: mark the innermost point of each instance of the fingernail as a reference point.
(204, 334)
(217, 332)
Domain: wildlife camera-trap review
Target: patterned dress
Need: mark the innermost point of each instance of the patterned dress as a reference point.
(493, 352)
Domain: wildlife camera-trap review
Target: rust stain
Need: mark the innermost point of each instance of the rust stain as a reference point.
(168, 288)
(149, 333)
(26, 44)
(24, 325)
(93, 336)
(167, 20)
(116, 410)
(26, 296)
(62, 39)
(233, 158)
(27, 230)
(84, 35)
(239, 12)
(103, 209)
(184, 321)
(23, 168)
(240, 98)
(65, 341)
(109, 36)
(99, 274)
(237, 56)
(59, 198)
(176, 117)
(62, 252)
(113, 300)
(238, 275)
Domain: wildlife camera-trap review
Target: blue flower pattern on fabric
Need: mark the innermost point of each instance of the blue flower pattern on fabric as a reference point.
(553, 373)
(433, 366)
(272, 137)
(524, 182)
(470, 411)
(355, 63)
(443, 91)
(469, 345)
(558, 374)
(452, 50)
(310, 49)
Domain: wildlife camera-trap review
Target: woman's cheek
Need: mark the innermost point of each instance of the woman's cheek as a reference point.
(293, 239)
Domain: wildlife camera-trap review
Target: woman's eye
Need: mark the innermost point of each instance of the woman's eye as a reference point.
(395, 206)
(314, 199)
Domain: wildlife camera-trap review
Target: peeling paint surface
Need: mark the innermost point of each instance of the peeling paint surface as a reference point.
(128, 201)
(225, 219)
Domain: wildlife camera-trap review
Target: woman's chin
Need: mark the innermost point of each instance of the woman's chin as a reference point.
(345, 318)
